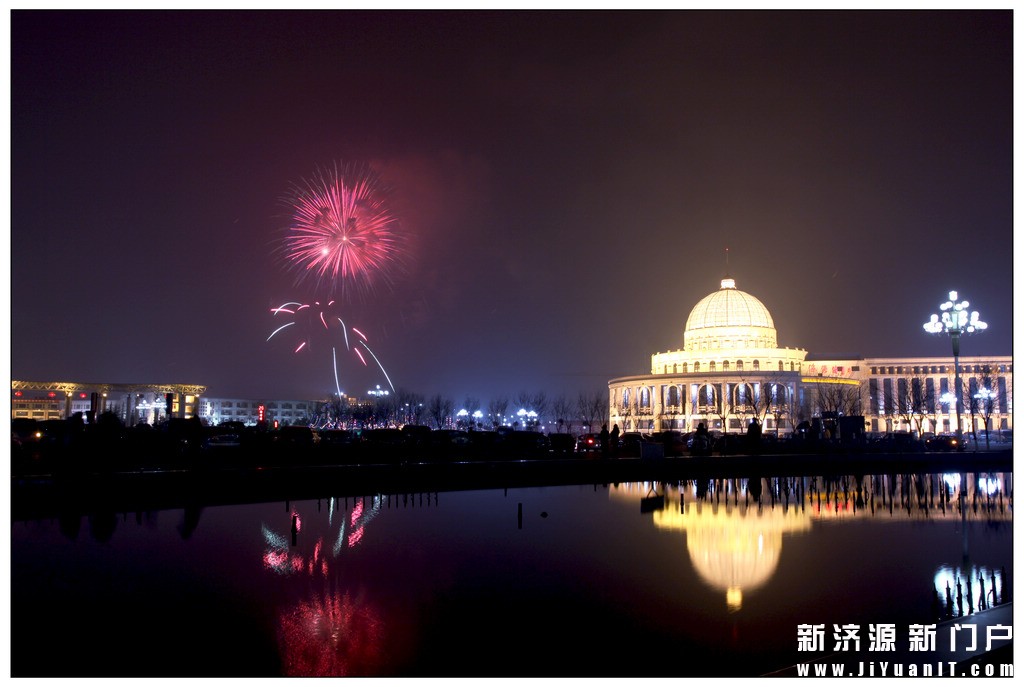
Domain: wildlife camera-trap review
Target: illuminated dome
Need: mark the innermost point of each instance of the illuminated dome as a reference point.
(729, 318)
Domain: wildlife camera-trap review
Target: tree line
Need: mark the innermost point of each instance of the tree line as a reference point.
(523, 411)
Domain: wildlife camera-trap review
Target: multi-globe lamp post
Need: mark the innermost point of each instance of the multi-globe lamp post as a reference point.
(955, 320)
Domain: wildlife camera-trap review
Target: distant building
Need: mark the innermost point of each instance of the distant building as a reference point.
(731, 370)
(147, 403)
(217, 411)
(133, 403)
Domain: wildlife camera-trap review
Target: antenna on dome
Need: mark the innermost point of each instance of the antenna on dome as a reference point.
(727, 281)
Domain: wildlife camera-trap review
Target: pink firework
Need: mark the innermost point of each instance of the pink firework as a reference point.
(342, 230)
(323, 319)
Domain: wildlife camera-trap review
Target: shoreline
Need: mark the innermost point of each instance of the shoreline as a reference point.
(43, 496)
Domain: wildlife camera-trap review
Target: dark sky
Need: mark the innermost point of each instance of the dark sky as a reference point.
(568, 181)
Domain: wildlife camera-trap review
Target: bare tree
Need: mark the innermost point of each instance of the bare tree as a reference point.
(497, 408)
(410, 406)
(986, 398)
(539, 405)
(771, 400)
(439, 410)
(905, 401)
(562, 410)
(838, 398)
(592, 407)
(471, 406)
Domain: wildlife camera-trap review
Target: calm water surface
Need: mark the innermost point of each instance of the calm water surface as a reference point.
(694, 578)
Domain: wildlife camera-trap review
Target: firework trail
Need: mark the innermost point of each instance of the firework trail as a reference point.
(342, 232)
(321, 318)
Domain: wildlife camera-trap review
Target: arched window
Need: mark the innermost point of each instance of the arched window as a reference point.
(684, 368)
(696, 367)
(673, 396)
(757, 364)
(725, 365)
(675, 368)
(645, 397)
(781, 366)
(776, 394)
(711, 366)
(739, 364)
(707, 398)
(742, 395)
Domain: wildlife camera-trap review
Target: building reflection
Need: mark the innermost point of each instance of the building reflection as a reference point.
(734, 527)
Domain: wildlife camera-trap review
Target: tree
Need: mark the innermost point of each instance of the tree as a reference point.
(497, 409)
(771, 400)
(471, 405)
(985, 399)
(837, 398)
(905, 400)
(562, 410)
(439, 410)
(410, 406)
(537, 402)
(591, 407)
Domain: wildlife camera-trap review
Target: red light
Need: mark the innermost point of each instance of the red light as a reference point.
(51, 395)
(261, 412)
(17, 393)
(81, 395)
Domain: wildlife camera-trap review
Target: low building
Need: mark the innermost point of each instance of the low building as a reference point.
(215, 411)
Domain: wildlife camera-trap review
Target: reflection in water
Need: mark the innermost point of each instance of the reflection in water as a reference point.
(329, 631)
(336, 587)
(734, 527)
(281, 556)
(331, 634)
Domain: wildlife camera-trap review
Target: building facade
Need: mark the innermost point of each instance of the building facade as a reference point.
(133, 403)
(215, 411)
(731, 371)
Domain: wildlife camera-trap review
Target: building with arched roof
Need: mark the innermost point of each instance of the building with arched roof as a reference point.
(730, 370)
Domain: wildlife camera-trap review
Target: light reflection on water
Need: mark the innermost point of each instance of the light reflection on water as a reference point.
(703, 577)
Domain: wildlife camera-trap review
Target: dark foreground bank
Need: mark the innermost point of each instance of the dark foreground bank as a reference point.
(85, 491)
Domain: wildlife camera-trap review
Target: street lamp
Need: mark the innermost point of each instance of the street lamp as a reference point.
(955, 321)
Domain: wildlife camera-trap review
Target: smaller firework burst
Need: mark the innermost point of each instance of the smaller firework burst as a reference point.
(322, 319)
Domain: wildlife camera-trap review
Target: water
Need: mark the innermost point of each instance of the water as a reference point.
(698, 578)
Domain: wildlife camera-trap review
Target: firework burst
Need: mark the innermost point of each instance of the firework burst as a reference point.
(321, 319)
(342, 233)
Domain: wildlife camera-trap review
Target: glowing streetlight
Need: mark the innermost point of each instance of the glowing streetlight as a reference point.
(955, 320)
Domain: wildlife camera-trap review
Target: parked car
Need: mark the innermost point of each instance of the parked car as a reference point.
(217, 442)
(589, 443)
(561, 442)
(450, 444)
(631, 444)
(673, 440)
(943, 442)
(526, 444)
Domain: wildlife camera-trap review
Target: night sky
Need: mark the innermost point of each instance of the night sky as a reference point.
(568, 183)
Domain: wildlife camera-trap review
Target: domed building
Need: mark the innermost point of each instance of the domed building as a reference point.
(731, 370)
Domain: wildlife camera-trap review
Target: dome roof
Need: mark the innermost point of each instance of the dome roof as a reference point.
(728, 314)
